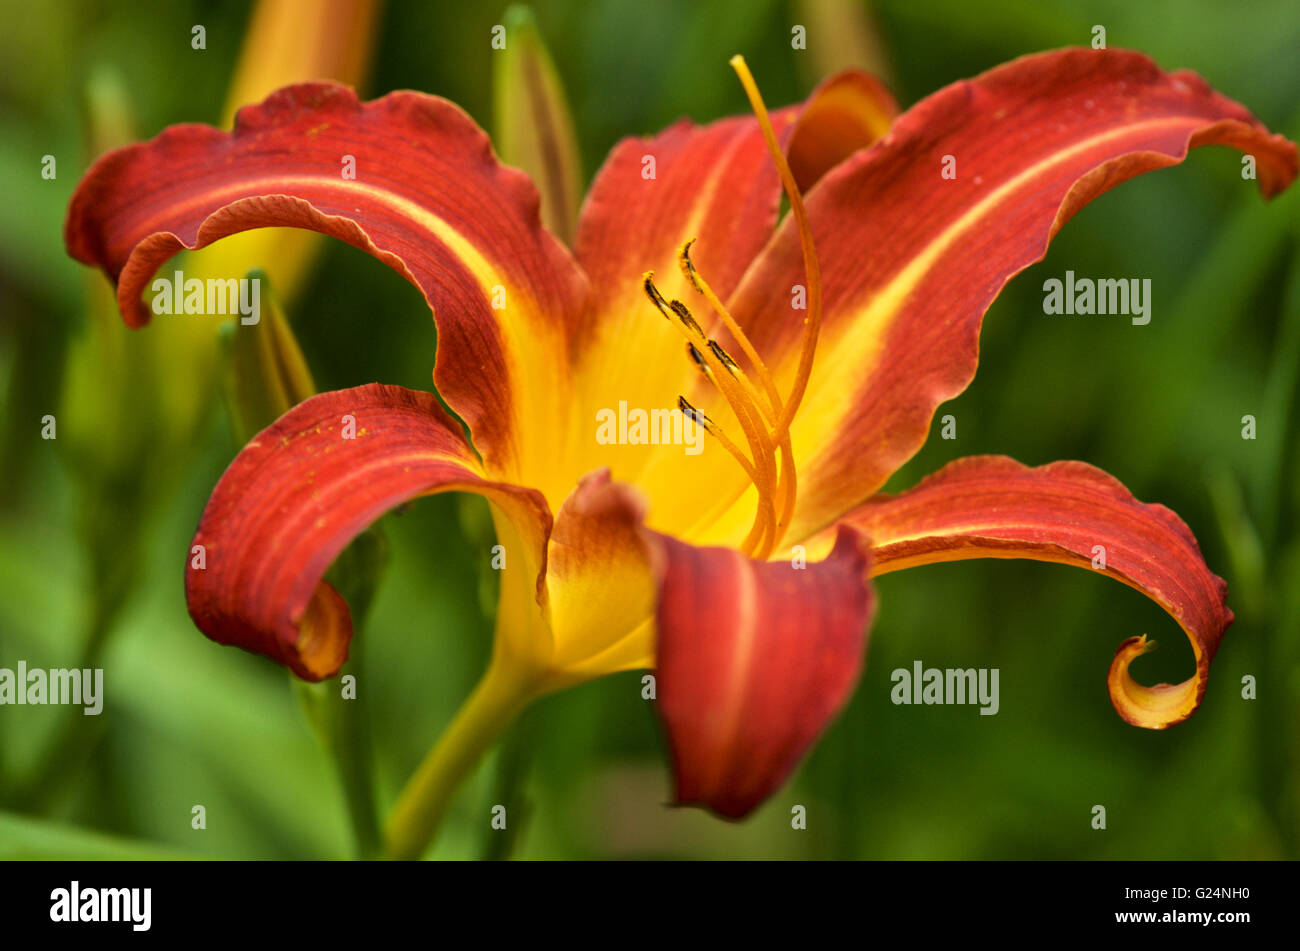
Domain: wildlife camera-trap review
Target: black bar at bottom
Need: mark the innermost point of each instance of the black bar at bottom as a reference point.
(333, 901)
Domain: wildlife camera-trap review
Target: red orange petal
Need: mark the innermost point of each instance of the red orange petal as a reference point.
(911, 259)
(305, 487)
(408, 178)
(1074, 514)
(754, 660)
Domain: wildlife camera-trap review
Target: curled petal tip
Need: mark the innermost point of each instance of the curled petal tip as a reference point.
(1158, 707)
(324, 633)
(301, 491)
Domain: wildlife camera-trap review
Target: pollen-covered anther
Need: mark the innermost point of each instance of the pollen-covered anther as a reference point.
(684, 315)
(690, 412)
(770, 414)
(688, 266)
(652, 292)
(725, 357)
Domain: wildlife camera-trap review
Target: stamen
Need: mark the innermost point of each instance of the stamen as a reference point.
(748, 414)
(688, 267)
(742, 378)
(687, 409)
(760, 524)
(754, 411)
(787, 479)
(701, 285)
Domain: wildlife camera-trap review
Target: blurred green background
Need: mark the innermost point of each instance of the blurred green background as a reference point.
(187, 722)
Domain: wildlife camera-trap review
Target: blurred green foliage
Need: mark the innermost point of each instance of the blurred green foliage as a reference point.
(189, 722)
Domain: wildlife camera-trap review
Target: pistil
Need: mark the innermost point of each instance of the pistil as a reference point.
(812, 323)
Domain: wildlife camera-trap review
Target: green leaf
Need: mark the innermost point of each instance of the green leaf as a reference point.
(24, 839)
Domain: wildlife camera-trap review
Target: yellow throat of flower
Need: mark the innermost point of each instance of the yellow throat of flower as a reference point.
(763, 415)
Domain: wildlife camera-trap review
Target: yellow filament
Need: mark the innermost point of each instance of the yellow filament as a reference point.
(713, 430)
(748, 415)
(739, 375)
(786, 479)
(701, 285)
(743, 404)
(761, 525)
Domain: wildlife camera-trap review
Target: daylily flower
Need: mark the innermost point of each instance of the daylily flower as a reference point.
(814, 353)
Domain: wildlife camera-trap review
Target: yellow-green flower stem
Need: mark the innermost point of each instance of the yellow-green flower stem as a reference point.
(503, 693)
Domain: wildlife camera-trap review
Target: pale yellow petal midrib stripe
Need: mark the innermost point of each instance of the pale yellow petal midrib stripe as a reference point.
(529, 356)
(858, 344)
